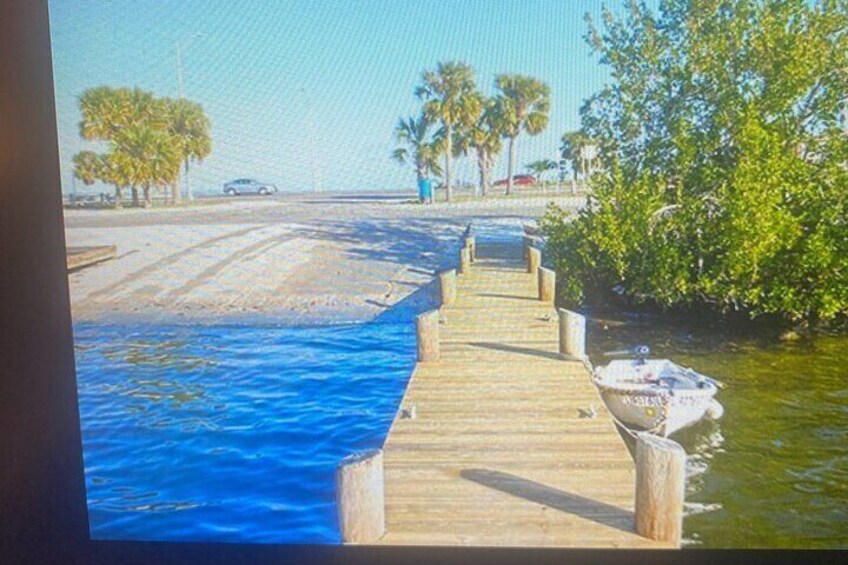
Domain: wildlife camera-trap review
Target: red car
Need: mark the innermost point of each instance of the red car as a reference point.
(518, 180)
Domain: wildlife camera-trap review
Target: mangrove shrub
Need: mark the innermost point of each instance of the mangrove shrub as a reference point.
(724, 160)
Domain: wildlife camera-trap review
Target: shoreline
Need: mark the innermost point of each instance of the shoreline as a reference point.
(313, 260)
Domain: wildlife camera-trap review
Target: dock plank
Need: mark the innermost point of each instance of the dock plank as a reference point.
(499, 453)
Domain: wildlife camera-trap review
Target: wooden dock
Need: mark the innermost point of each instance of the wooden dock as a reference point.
(80, 257)
(495, 443)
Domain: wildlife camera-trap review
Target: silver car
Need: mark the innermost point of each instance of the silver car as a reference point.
(248, 186)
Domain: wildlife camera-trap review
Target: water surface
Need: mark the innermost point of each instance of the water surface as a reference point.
(773, 472)
(230, 433)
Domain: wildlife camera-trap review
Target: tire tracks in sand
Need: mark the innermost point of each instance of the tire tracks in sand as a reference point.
(165, 262)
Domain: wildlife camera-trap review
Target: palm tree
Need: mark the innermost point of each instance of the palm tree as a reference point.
(107, 115)
(418, 147)
(540, 167)
(146, 157)
(106, 111)
(573, 148)
(90, 167)
(148, 139)
(450, 98)
(485, 139)
(189, 126)
(523, 104)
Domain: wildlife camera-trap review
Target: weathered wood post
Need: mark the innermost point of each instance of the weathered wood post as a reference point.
(534, 259)
(360, 497)
(572, 334)
(427, 326)
(547, 284)
(530, 241)
(447, 284)
(660, 488)
(471, 244)
(464, 261)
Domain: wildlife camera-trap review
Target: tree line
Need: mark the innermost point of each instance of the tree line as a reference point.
(147, 141)
(722, 175)
(456, 119)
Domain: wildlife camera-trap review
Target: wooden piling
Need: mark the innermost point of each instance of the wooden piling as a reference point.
(471, 244)
(572, 334)
(464, 261)
(534, 260)
(547, 284)
(360, 497)
(428, 336)
(447, 284)
(660, 488)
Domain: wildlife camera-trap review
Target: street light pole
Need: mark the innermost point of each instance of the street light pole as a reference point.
(310, 132)
(180, 85)
(181, 91)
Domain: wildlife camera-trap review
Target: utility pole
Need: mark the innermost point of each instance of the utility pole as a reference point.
(180, 85)
(181, 90)
(310, 132)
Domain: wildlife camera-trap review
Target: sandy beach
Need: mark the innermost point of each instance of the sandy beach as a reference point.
(291, 260)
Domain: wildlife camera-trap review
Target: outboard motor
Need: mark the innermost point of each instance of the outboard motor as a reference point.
(641, 353)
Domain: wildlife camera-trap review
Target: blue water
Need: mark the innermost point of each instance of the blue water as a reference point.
(228, 433)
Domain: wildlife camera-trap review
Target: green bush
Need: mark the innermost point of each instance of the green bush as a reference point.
(724, 149)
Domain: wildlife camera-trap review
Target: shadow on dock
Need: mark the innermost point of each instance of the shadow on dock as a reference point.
(509, 296)
(586, 508)
(517, 349)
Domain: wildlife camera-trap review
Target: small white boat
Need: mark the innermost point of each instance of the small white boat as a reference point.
(656, 395)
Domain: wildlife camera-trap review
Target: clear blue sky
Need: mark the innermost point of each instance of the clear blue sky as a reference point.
(268, 73)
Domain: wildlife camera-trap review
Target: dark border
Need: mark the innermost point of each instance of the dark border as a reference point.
(43, 516)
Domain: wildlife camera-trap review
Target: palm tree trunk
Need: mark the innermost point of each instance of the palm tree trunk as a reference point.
(583, 166)
(487, 182)
(448, 149)
(188, 185)
(147, 195)
(419, 176)
(481, 164)
(118, 197)
(135, 202)
(510, 166)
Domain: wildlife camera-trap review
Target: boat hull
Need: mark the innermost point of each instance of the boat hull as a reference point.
(654, 413)
(655, 395)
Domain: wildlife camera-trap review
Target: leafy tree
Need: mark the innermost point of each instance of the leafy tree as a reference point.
(540, 167)
(450, 97)
(418, 147)
(484, 138)
(189, 126)
(522, 105)
(724, 151)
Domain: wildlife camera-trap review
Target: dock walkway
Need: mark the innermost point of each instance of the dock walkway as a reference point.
(503, 449)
